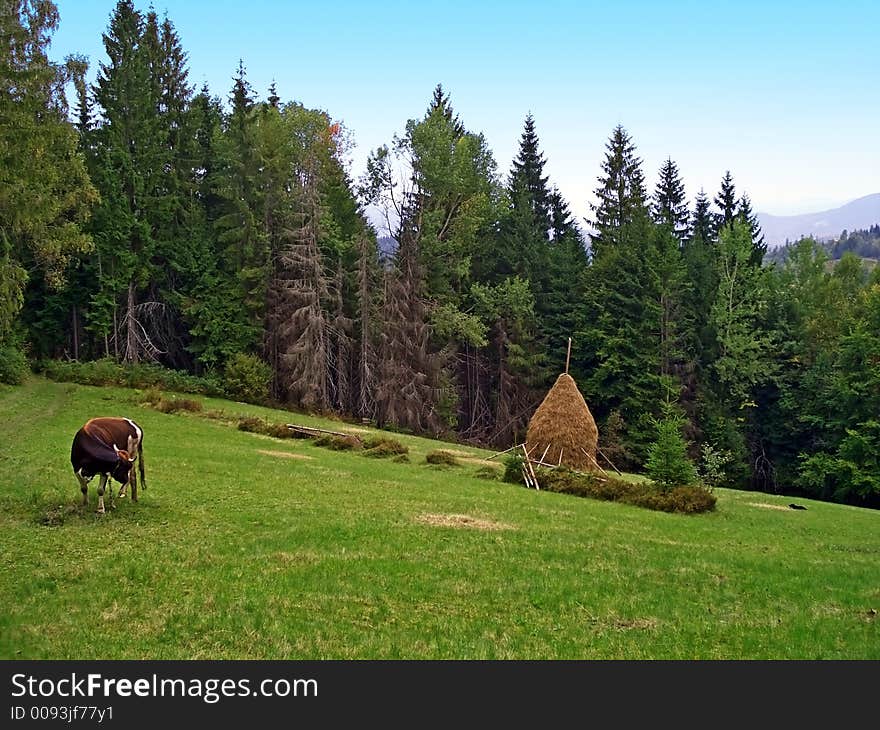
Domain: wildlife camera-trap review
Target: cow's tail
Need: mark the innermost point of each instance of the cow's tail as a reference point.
(141, 463)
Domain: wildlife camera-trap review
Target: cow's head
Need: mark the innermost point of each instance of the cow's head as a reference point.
(124, 462)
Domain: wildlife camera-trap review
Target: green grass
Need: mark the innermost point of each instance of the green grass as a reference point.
(234, 553)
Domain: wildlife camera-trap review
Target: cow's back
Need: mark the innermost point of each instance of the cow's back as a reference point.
(111, 431)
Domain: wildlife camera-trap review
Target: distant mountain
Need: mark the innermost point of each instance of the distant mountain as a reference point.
(827, 224)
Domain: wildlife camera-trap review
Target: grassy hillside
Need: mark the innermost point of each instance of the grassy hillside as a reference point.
(248, 547)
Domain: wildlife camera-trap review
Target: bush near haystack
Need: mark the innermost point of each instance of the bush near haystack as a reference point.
(684, 500)
(513, 465)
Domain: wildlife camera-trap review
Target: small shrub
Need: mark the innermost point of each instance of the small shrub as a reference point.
(338, 443)
(150, 397)
(247, 378)
(513, 466)
(380, 447)
(175, 405)
(712, 465)
(278, 431)
(439, 456)
(251, 424)
(13, 365)
(400, 459)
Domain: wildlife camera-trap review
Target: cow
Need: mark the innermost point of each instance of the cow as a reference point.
(95, 450)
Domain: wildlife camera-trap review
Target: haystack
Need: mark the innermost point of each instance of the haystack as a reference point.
(563, 423)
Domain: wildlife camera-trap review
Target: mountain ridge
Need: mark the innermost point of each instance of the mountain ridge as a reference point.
(823, 225)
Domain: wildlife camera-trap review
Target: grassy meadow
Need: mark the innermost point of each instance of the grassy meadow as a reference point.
(248, 547)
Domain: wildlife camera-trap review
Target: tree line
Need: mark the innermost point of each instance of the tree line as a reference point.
(150, 221)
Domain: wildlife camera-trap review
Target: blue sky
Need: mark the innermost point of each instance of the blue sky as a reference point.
(783, 94)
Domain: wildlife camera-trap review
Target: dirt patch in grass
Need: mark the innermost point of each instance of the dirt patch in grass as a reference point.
(769, 506)
(284, 454)
(475, 523)
(636, 623)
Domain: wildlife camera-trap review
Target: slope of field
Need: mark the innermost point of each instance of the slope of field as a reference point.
(248, 547)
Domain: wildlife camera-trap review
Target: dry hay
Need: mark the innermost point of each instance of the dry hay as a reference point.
(475, 523)
(284, 454)
(564, 423)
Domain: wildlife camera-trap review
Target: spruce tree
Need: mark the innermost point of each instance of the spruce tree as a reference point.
(745, 214)
(440, 102)
(527, 183)
(669, 205)
(726, 203)
(242, 238)
(621, 191)
(130, 161)
(668, 464)
(702, 222)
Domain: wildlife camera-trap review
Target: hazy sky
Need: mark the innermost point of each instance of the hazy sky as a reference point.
(783, 94)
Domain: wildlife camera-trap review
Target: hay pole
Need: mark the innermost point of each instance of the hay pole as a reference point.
(593, 459)
(311, 430)
(545, 453)
(504, 452)
(568, 356)
(528, 463)
(609, 461)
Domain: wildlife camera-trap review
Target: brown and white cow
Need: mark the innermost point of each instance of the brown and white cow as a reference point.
(95, 450)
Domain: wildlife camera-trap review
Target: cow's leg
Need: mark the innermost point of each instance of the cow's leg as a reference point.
(132, 481)
(83, 487)
(101, 487)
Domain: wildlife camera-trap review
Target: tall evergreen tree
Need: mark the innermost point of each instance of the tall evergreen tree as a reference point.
(527, 183)
(130, 161)
(440, 103)
(745, 214)
(242, 238)
(621, 191)
(702, 223)
(45, 194)
(669, 205)
(726, 203)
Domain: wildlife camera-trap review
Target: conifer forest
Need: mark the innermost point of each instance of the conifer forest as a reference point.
(219, 232)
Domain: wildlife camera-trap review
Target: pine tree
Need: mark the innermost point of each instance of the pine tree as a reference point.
(273, 99)
(440, 102)
(745, 214)
(727, 205)
(702, 223)
(562, 223)
(527, 183)
(668, 464)
(129, 162)
(669, 205)
(621, 191)
(242, 238)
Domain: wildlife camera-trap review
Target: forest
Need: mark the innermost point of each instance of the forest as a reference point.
(146, 221)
